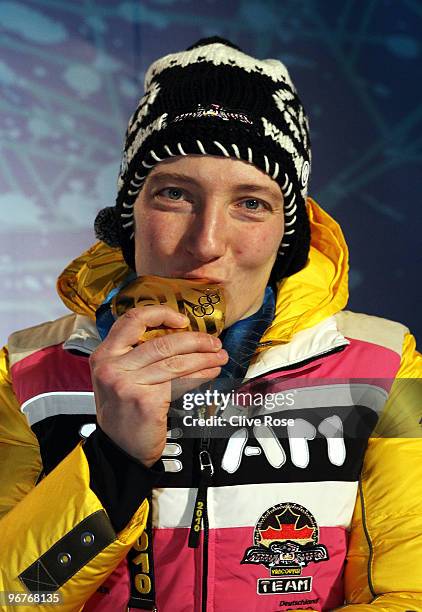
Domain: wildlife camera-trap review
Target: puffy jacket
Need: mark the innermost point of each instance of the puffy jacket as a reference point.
(319, 514)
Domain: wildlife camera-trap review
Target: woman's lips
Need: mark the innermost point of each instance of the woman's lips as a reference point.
(204, 278)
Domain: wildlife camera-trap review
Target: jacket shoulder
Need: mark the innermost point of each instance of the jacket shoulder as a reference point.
(27, 341)
(372, 329)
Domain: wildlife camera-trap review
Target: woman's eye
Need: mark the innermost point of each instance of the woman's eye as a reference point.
(252, 204)
(173, 193)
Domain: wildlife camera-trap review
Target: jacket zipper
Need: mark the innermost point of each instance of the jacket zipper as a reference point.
(200, 514)
(209, 470)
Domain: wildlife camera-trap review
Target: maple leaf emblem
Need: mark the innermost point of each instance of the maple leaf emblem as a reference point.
(287, 530)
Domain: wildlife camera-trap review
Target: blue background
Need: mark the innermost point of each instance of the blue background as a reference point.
(72, 72)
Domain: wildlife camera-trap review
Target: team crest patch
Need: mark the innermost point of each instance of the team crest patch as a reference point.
(285, 542)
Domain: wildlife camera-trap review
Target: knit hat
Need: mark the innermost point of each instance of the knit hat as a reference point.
(213, 99)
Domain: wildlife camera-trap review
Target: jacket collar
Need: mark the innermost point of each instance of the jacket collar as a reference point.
(320, 289)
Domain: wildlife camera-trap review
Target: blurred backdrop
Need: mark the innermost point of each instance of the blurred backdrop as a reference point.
(72, 72)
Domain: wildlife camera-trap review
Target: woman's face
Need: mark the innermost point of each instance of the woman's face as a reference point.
(214, 218)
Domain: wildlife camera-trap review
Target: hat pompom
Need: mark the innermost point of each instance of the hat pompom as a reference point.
(106, 226)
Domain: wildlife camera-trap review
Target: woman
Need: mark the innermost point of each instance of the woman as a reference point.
(259, 516)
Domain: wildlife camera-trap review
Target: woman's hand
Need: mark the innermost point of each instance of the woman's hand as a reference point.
(133, 381)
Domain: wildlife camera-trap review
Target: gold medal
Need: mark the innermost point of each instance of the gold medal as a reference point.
(202, 302)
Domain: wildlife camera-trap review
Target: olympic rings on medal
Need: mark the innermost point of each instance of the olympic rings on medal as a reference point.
(205, 305)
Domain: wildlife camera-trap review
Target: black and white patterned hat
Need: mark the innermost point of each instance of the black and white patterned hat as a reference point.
(213, 99)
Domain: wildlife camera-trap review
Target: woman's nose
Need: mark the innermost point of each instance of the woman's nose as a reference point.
(207, 235)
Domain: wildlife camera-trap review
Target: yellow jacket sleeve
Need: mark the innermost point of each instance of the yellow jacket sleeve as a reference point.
(384, 561)
(56, 535)
(20, 462)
